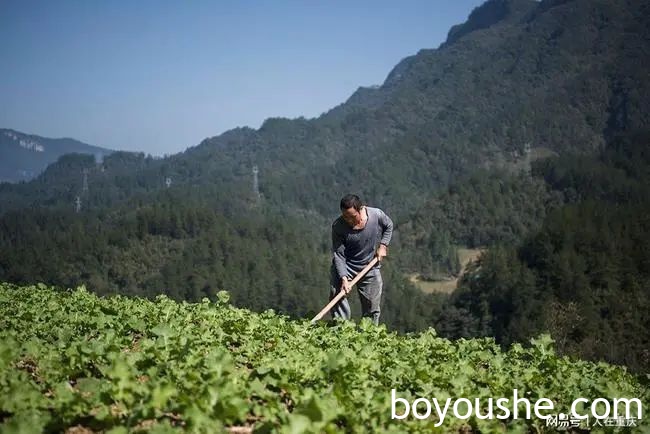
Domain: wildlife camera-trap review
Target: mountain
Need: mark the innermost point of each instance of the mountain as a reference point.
(519, 74)
(25, 156)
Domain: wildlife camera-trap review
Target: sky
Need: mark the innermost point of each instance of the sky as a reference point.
(160, 76)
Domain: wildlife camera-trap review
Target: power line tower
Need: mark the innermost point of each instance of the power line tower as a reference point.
(256, 184)
(99, 161)
(84, 188)
(168, 182)
(77, 204)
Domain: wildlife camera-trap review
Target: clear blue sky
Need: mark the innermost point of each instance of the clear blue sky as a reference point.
(159, 76)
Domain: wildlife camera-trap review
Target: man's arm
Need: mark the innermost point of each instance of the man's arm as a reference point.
(338, 252)
(387, 227)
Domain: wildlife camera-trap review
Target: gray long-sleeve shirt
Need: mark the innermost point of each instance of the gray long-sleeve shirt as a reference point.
(352, 249)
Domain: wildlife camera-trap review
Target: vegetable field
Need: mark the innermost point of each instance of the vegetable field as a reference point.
(74, 362)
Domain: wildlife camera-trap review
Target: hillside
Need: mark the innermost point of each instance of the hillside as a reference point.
(25, 156)
(75, 362)
(581, 274)
(556, 75)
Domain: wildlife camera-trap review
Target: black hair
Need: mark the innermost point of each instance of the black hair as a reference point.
(351, 201)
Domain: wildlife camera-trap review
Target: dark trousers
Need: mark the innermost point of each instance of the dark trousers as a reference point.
(369, 289)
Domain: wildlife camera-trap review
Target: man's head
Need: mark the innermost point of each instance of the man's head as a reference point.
(351, 209)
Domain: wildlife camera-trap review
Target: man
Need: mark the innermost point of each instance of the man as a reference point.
(358, 235)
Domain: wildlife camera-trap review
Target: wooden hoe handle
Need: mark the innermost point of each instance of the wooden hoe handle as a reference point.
(342, 294)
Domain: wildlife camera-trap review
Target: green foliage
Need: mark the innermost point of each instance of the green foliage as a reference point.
(583, 274)
(72, 359)
(486, 208)
(265, 259)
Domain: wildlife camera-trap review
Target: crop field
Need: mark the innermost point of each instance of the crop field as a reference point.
(74, 362)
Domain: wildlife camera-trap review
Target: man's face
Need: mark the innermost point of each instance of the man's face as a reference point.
(351, 216)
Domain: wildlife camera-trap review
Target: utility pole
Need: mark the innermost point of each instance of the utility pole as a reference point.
(256, 185)
(85, 183)
(99, 161)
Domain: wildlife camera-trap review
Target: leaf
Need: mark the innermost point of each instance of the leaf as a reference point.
(223, 297)
(161, 394)
(298, 424)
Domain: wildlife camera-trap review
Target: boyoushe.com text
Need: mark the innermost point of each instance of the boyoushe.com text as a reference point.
(515, 407)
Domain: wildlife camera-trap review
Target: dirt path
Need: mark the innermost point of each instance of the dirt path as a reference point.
(465, 256)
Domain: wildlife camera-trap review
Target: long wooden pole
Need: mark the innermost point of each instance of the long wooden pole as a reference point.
(342, 294)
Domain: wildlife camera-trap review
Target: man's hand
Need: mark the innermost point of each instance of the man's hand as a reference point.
(382, 251)
(345, 285)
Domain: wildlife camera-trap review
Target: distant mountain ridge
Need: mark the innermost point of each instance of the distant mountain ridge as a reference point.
(25, 156)
(518, 75)
(489, 13)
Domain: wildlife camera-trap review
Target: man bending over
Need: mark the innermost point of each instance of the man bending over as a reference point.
(358, 235)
